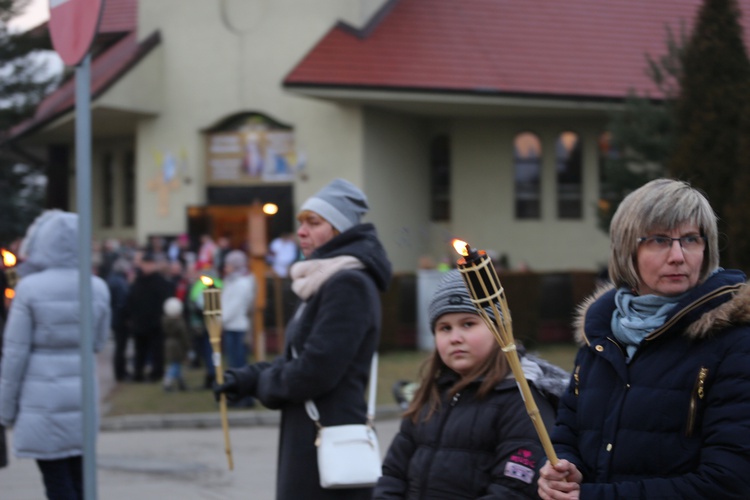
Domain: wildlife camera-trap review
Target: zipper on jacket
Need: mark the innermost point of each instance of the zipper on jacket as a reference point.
(699, 392)
(444, 419)
(577, 379)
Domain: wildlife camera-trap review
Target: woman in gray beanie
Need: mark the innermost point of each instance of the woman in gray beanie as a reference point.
(330, 339)
(466, 434)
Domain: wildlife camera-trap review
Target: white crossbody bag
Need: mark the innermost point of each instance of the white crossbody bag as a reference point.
(348, 455)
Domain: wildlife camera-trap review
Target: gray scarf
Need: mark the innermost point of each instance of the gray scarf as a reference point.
(638, 315)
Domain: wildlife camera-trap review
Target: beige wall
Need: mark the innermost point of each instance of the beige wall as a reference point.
(397, 184)
(211, 70)
(483, 195)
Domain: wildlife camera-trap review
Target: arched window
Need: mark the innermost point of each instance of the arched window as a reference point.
(569, 169)
(527, 165)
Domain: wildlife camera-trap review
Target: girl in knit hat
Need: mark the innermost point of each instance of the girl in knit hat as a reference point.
(466, 433)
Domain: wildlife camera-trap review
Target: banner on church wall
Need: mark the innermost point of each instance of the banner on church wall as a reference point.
(252, 149)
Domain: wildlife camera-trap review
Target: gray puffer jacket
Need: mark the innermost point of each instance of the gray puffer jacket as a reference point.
(40, 373)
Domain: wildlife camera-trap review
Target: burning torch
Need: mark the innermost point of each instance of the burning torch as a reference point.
(212, 315)
(487, 294)
(11, 276)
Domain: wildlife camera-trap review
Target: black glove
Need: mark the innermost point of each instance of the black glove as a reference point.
(230, 387)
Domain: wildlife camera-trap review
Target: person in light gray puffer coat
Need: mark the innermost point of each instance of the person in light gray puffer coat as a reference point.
(40, 373)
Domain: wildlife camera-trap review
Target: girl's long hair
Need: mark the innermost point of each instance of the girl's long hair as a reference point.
(427, 398)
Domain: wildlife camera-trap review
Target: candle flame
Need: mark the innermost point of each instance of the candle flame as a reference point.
(461, 247)
(207, 280)
(9, 260)
(9, 293)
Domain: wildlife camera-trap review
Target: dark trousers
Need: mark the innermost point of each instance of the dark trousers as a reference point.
(122, 335)
(3, 448)
(63, 478)
(149, 348)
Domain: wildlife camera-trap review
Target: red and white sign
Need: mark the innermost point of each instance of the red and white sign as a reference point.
(72, 27)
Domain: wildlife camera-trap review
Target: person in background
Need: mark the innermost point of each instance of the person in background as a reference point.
(282, 253)
(659, 404)
(224, 246)
(176, 343)
(330, 340)
(207, 252)
(467, 433)
(179, 248)
(143, 312)
(118, 282)
(238, 295)
(40, 371)
(196, 314)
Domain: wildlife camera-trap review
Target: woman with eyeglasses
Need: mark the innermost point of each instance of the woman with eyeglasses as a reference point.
(659, 401)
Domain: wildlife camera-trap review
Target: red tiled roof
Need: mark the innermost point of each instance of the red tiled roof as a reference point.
(119, 16)
(577, 48)
(105, 71)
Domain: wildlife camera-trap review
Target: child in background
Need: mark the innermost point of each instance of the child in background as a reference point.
(176, 343)
(466, 433)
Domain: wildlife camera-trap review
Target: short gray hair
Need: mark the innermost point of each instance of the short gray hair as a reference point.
(663, 205)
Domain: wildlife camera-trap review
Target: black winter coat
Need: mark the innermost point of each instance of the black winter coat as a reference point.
(468, 449)
(145, 303)
(335, 333)
(674, 422)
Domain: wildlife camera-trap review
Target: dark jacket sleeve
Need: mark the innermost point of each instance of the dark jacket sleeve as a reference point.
(344, 316)
(519, 453)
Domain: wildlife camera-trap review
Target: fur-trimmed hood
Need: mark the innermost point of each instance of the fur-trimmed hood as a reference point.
(721, 301)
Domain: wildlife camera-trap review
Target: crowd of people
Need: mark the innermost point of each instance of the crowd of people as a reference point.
(157, 305)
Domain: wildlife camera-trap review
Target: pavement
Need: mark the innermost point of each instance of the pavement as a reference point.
(147, 457)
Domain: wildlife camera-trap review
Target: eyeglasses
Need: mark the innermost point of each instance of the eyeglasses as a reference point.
(689, 243)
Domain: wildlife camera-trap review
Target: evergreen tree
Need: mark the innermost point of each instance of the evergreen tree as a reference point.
(641, 134)
(24, 80)
(709, 117)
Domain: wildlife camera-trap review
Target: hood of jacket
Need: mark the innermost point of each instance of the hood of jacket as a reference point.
(361, 241)
(717, 303)
(51, 242)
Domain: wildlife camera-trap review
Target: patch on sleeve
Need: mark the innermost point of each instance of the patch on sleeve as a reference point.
(518, 471)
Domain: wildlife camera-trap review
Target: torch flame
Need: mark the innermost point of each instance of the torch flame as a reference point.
(9, 293)
(461, 247)
(207, 280)
(9, 260)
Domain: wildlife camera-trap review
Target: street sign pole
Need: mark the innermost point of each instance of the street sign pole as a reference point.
(73, 25)
(83, 200)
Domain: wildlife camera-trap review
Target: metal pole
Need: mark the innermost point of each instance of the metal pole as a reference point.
(83, 201)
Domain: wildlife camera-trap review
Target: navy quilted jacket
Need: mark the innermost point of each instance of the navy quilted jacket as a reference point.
(674, 422)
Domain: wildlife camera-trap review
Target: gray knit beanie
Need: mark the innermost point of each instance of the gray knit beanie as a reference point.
(340, 202)
(451, 296)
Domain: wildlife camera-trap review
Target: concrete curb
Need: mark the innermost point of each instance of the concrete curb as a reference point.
(211, 420)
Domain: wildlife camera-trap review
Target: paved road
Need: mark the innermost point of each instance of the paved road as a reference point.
(154, 457)
(188, 464)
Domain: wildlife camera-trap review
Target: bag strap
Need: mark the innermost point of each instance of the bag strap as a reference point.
(312, 410)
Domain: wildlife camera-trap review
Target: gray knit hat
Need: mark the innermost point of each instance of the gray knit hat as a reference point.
(340, 202)
(451, 296)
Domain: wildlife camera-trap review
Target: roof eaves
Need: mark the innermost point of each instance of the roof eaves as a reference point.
(58, 103)
(300, 87)
(372, 23)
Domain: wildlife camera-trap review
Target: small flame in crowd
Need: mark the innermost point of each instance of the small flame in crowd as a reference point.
(207, 280)
(461, 247)
(9, 260)
(10, 293)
